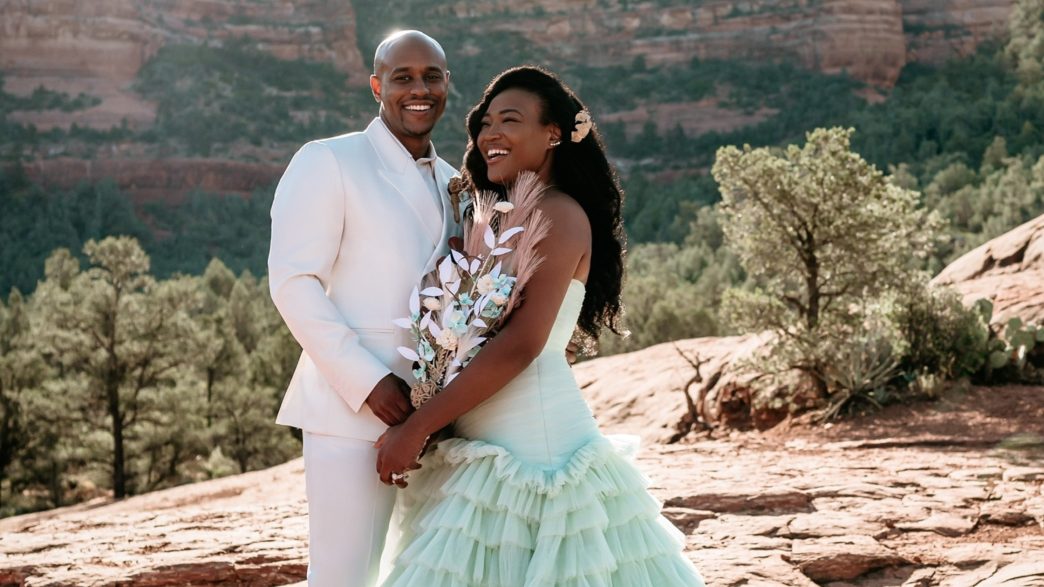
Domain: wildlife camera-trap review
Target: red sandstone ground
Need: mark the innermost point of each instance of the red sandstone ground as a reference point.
(946, 493)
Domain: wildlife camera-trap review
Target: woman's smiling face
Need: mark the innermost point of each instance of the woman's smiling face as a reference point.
(514, 138)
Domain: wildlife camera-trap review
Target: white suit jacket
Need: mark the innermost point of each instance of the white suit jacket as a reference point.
(354, 227)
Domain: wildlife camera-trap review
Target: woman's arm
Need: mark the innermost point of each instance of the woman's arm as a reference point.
(506, 355)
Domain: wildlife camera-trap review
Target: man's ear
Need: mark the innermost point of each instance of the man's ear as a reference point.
(375, 87)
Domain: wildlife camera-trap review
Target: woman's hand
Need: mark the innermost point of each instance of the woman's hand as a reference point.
(398, 450)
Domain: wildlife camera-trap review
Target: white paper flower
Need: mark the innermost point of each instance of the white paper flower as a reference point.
(503, 207)
(447, 339)
(433, 304)
(485, 285)
(498, 299)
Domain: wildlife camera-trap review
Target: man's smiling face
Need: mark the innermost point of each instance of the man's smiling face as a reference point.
(411, 82)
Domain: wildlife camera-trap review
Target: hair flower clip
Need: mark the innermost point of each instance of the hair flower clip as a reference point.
(582, 124)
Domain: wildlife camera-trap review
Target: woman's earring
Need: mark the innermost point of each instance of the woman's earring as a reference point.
(555, 143)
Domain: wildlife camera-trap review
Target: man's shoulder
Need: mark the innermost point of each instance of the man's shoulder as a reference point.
(352, 153)
(350, 149)
(345, 141)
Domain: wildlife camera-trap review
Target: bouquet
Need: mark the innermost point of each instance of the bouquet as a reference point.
(469, 295)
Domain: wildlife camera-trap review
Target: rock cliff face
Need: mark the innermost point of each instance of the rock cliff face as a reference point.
(1009, 270)
(73, 47)
(98, 46)
(92, 46)
(870, 39)
(316, 30)
(113, 38)
(936, 31)
(159, 179)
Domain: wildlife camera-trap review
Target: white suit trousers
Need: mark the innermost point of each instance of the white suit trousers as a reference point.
(348, 511)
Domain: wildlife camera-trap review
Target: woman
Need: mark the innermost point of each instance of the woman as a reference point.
(532, 493)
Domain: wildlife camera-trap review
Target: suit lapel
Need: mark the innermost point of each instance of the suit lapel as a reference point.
(442, 177)
(400, 172)
(414, 191)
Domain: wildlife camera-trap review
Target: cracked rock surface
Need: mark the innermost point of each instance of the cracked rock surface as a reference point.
(945, 494)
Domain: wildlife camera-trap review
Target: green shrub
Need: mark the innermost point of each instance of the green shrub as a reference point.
(943, 337)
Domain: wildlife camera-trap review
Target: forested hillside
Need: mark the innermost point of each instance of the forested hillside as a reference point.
(967, 135)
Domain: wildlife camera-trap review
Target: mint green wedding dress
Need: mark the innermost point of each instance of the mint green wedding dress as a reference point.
(532, 494)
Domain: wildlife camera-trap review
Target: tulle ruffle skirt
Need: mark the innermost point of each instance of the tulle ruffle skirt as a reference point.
(474, 515)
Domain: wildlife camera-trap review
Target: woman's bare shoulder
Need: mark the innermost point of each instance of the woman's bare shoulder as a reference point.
(567, 216)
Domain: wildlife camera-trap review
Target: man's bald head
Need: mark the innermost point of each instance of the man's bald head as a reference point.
(384, 55)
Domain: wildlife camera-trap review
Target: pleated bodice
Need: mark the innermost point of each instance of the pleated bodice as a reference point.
(541, 416)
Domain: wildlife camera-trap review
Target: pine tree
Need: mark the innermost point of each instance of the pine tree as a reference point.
(821, 232)
(125, 335)
(245, 369)
(22, 372)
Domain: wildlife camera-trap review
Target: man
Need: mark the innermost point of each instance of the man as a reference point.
(357, 220)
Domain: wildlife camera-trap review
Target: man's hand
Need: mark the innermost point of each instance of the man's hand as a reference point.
(389, 400)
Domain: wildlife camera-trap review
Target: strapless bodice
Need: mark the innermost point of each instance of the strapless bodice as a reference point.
(540, 416)
(565, 322)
